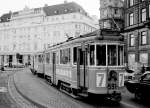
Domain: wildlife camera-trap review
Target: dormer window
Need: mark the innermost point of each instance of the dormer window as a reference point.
(80, 10)
(56, 11)
(71, 9)
(66, 10)
(116, 11)
(8, 19)
(37, 10)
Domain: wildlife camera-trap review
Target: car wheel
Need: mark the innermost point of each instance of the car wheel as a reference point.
(138, 95)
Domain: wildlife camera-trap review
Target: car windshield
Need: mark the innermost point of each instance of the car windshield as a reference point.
(147, 77)
(129, 71)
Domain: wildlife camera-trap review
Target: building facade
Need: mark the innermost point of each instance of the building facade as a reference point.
(137, 32)
(111, 14)
(30, 30)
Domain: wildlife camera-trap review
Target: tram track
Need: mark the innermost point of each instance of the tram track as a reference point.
(16, 95)
(90, 102)
(60, 95)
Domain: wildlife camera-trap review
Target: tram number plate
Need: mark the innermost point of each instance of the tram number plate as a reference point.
(112, 86)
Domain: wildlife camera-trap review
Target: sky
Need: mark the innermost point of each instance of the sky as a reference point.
(90, 6)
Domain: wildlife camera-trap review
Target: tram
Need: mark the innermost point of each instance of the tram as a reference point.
(91, 64)
(38, 64)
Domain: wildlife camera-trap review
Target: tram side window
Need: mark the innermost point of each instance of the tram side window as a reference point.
(35, 58)
(57, 57)
(101, 55)
(40, 58)
(92, 53)
(81, 56)
(47, 58)
(65, 56)
(120, 55)
(75, 55)
(112, 55)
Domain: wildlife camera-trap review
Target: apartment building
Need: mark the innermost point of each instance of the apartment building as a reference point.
(112, 14)
(137, 32)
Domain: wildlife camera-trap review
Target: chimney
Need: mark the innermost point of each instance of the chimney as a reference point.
(65, 1)
(46, 5)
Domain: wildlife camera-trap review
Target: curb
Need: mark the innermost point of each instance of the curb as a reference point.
(27, 98)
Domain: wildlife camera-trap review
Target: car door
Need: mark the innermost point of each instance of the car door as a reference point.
(145, 84)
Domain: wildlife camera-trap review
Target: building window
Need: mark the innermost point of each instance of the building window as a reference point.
(143, 15)
(116, 11)
(35, 46)
(144, 58)
(131, 2)
(131, 19)
(149, 10)
(143, 38)
(132, 40)
(131, 61)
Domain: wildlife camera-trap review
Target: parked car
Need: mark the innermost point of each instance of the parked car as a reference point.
(140, 87)
(129, 75)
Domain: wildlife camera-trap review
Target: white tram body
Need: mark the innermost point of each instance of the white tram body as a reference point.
(38, 64)
(90, 64)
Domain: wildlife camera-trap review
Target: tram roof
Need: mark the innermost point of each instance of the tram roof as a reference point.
(100, 34)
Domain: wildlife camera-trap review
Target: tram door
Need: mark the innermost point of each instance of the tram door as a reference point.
(82, 68)
(54, 68)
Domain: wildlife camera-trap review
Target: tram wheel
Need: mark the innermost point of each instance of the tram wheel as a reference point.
(59, 85)
(74, 91)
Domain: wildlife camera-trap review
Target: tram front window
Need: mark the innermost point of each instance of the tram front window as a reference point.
(112, 55)
(101, 55)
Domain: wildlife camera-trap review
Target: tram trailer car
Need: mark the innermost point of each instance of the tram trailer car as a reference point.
(38, 64)
(33, 66)
(89, 64)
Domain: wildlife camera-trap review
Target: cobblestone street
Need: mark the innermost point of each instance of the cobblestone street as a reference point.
(6, 100)
(38, 91)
